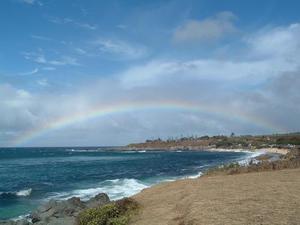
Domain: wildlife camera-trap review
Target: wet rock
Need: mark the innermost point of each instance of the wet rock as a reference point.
(60, 212)
(65, 212)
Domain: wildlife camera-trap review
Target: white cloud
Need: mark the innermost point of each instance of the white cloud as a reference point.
(36, 70)
(60, 20)
(267, 54)
(32, 2)
(276, 42)
(66, 20)
(154, 73)
(43, 82)
(80, 51)
(28, 1)
(15, 109)
(64, 60)
(263, 86)
(119, 48)
(122, 26)
(49, 68)
(86, 26)
(40, 58)
(206, 30)
(42, 38)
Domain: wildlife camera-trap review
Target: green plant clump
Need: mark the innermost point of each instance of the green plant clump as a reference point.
(116, 213)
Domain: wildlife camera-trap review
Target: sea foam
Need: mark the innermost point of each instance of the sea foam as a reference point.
(21, 193)
(250, 157)
(115, 189)
(195, 176)
(24, 193)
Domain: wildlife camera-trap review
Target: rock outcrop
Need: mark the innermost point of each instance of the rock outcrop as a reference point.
(60, 212)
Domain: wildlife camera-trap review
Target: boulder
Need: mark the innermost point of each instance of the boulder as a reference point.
(99, 200)
(22, 222)
(18, 222)
(60, 212)
(65, 212)
(57, 210)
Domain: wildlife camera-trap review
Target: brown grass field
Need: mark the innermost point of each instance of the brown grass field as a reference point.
(270, 197)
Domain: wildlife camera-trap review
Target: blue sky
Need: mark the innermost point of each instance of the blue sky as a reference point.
(57, 57)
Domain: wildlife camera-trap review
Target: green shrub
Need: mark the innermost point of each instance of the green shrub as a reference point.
(232, 165)
(116, 213)
(121, 220)
(290, 161)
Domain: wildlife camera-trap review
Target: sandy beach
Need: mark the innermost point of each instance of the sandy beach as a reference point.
(252, 198)
(281, 151)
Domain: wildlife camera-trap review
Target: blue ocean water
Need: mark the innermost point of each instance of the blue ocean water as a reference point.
(31, 176)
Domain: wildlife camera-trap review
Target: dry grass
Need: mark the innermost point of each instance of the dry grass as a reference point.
(289, 161)
(271, 197)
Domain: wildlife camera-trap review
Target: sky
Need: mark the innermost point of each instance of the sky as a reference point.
(107, 73)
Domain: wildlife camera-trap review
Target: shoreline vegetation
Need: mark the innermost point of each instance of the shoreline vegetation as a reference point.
(263, 191)
(276, 143)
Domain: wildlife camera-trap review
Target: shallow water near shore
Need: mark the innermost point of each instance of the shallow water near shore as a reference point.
(31, 176)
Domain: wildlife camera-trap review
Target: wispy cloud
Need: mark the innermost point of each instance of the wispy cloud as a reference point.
(120, 49)
(40, 58)
(43, 82)
(86, 25)
(73, 22)
(42, 38)
(64, 60)
(122, 26)
(48, 68)
(206, 30)
(81, 51)
(32, 2)
(60, 20)
(36, 70)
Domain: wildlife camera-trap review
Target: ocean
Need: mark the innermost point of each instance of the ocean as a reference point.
(32, 176)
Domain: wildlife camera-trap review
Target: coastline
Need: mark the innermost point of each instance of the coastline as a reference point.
(141, 184)
(264, 193)
(265, 151)
(272, 143)
(281, 151)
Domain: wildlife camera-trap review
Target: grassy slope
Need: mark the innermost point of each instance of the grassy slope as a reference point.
(271, 197)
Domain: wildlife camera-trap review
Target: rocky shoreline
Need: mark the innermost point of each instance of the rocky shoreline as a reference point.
(281, 151)
(65, 212)
(60, 212)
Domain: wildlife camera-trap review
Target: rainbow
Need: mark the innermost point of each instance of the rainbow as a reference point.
(101, 111)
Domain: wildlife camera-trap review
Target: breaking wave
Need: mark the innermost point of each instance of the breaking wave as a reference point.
(15, 194)
(115, 189)
(250, 157)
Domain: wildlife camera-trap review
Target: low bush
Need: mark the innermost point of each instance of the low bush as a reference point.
(116, 213)
(289, 161)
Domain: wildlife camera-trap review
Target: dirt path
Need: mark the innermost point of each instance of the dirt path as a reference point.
(244, 199)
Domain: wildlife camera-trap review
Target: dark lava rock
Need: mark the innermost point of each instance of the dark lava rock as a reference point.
(19, 222)
(60, 212)
(65, 212)
(98, 200)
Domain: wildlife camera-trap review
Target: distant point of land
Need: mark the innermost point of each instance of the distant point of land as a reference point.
(249, 142)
